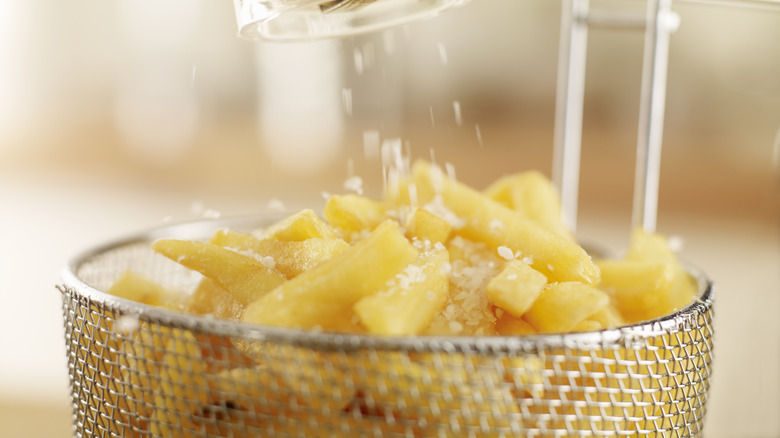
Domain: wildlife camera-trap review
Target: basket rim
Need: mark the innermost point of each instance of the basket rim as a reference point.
(624, 336)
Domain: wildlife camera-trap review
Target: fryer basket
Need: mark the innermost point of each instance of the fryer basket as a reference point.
(138, 370)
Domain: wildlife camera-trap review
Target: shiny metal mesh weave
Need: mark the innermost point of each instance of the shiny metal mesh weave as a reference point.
(136, 370)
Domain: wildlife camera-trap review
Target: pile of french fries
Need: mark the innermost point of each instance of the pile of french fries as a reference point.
(434, 257)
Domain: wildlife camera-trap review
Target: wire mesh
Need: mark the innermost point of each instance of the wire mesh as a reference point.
(137, 370)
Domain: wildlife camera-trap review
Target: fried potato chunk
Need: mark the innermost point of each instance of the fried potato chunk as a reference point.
(245, 277)
(534, 196)
(288, 257)
(497, 225)
(516, 287)
(317, 297)
(409, 303)
(564, 305)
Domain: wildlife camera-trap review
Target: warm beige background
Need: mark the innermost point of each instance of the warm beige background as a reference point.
(116, 116)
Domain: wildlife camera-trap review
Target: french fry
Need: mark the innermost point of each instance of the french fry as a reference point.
(300, 226)
(640, 289)
(315, 297)
(453, 395)
(516, 287)
(486, 220)
(245, 277)
(655, 247)
(408, 304)
(183, 385)
(532, 194)
(508, 325)
(210, 299)
(424, 225)
(133, 286)
(352, 213)
(564, 305)
(289, 257)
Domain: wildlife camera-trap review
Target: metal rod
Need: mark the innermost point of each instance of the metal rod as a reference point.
(570, 96)
(661, 22)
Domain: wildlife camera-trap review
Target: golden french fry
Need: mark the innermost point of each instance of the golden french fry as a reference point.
(424, 225)
(408, 304)
(300, 226)
(516, 287)
(288, 257)
(486, 220)
(315, 297)
(655, 247)
(640, 289)
(608, 317)
(532, 194)
(183, 386)
(564, 305)
(210, 299)
(245, 277)
(508, 325)
(133, 286)
(352, 213)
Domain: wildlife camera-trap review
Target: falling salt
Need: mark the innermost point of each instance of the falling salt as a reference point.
(458, 115)
(127, 323)
(388, 41)
(275, 205)
(325, 195)
(450, 170)
(355, 184)
(433, 121)
(211, 214)
(192, 76)
(676, 243)
(479, 135)
(346, 96)
(506, 253)
(358, 59)
(443, 54)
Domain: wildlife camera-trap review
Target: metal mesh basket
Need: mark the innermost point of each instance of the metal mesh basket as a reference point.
(137, 370)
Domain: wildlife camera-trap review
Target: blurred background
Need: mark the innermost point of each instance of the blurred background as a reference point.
(118, 116)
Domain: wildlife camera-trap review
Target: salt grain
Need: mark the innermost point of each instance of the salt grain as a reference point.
(511, 276)
(211, 214)
(268, 262)
(430, 295)
(496, 225)
(355, 184)
(506, 253)
(443, 54)
(675, 243)
(528, 260)
(275, 205)
(455, 326)
(358, 59)
(127, 323)
(346, 97)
